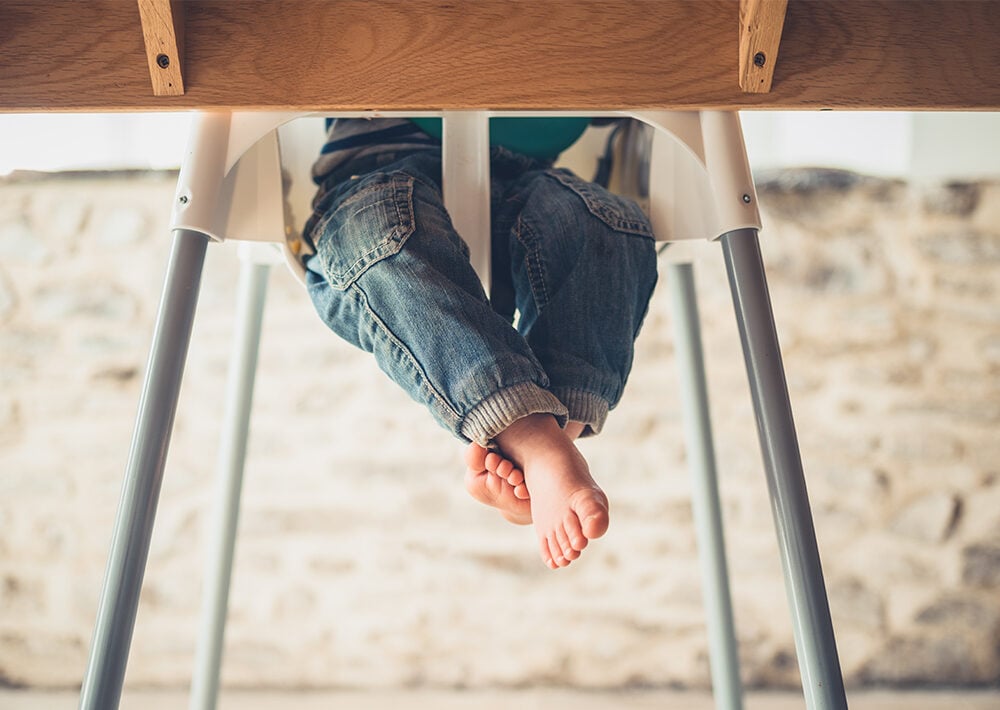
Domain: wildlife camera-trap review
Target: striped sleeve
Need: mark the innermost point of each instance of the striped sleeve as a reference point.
(352, 138)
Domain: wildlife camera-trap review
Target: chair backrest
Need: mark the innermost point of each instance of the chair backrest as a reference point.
(247, 176)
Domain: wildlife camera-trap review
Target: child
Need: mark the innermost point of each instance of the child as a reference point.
(388, 272)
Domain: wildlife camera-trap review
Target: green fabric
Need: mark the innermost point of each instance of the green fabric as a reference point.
(543, 138)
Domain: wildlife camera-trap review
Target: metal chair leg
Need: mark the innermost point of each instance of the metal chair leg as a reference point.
(723, 655)
(232, 455)
(816, 647)
(102, 684)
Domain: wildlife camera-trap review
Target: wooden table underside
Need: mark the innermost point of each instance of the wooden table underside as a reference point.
(331, 55)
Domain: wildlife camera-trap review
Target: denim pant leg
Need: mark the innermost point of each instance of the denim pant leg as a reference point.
(583, 264)
(392, 276)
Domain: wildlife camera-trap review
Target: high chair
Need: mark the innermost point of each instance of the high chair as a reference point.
(231, 186)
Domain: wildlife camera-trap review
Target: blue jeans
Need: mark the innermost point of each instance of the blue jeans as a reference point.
(392, 276)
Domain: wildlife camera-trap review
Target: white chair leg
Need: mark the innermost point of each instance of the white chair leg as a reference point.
(102, 684)
(257, 260)
(200, 186)
(723, 653)
(822, 680)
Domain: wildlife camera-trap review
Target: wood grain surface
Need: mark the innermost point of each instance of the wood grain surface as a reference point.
(501, 54)
(760, 36)
(163, 34)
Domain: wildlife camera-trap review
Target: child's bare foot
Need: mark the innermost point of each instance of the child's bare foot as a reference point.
(479, 458)
(574, 430)
(493, 480)
(567, 507)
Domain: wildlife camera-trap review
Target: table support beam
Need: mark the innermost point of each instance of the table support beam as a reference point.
(163, 35)
(760, 34)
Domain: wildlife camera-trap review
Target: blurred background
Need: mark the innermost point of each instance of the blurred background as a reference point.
(362, 564)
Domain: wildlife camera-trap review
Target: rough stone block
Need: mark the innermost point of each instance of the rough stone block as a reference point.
(981, 565)
(60, 301)
(930, 518)
(969, 611)
(854, 603)
(958, 199)
(67, 220)
(807, 180)
(932, 659)
(8, 297)
(19, 244)
(966, 247)
(123, 226)
(956, 640)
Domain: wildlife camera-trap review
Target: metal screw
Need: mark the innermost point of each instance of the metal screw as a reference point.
(746, 199)
(759, 59)
(162, 61)
(183, 199)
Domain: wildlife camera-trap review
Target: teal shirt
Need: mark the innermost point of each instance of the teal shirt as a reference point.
(543, 138)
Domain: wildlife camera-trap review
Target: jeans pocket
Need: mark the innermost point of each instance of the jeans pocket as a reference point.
(366, 224)
(619, 213)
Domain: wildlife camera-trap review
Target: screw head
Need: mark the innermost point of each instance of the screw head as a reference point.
(759, 59)
(746, 199)
(162, 61)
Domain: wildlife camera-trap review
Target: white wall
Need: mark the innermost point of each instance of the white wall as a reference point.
(921, 146)
(55, 142)
(931, 146)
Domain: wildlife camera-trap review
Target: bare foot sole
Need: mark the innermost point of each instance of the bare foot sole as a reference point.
(568, 509)
(494, 481)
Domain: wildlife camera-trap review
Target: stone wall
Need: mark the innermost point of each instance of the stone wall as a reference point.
(362, 563)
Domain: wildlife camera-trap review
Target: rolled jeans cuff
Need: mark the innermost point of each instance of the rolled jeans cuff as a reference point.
(501, 409)
(584, 407)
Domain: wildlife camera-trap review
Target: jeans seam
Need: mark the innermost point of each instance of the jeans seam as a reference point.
(601, 209)
(533, 260)
(408, 193)
(429, 184)
(645, 309)
(396, 343)
(437, 191)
